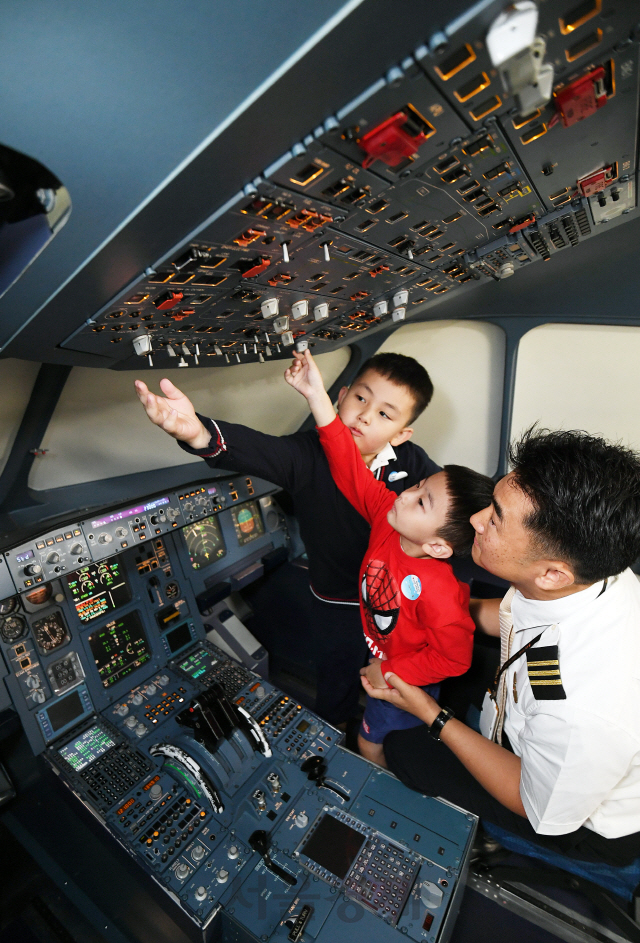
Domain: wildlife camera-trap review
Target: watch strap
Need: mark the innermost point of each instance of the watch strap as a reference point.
(436, 727)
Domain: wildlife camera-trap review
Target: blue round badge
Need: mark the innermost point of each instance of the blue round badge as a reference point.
(411, 586)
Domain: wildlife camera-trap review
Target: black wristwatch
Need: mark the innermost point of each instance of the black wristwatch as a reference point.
(436, 727)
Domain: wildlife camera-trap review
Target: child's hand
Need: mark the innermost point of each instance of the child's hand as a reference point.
(174, 413)
(373, 673)
(303, 375)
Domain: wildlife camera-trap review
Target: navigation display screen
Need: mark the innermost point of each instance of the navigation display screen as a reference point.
(87, 748)
(204, 542)
(119, 648)
(99, 588)
(247, 521)
(334, 845)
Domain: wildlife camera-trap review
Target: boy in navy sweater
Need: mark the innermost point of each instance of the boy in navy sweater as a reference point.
(388, 394)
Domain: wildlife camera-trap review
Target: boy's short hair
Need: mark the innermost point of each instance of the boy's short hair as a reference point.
(586, 497)
(405, 371)
(469, 492)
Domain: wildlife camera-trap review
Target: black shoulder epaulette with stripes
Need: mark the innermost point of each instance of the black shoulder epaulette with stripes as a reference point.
(543, 668)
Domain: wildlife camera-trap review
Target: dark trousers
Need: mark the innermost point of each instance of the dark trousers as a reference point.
(307, 637)
(428, 766)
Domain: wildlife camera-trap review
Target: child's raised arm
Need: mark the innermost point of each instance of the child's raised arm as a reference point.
(303, 375)
(174, 413)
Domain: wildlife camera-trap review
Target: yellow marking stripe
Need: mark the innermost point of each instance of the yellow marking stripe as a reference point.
(538, 664)
(545, 682)
(543, 674)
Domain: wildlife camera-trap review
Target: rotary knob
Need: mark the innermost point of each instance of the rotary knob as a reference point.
(182, 871)
(32, 682)
(53, 557)
(222, 876)
(130, 722)
(155, 792)
(39, 696)
(104, 538)
(121, 532)
(137, 699)
(151, 689)
(141, 730)
(33, 569)
(201, 893)
(302, 820)
(233, 852)
(162, 680)
(260, 691)
(430, 895)
(77, 549)
(197, 853)
(313, 730)
(122, 710)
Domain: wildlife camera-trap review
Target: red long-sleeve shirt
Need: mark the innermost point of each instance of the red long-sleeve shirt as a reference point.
(413, 610)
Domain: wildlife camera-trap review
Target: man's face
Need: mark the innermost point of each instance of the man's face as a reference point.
(419, 513)
(376, 411)
(502, 544)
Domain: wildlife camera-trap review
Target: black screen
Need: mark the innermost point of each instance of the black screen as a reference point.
(119, 648)
(178, 638)
(99, 588)
(334, 845)
(63, 712)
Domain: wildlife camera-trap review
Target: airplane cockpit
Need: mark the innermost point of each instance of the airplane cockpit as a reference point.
(200, 193)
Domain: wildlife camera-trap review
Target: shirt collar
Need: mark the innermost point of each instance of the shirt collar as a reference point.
(383, 457)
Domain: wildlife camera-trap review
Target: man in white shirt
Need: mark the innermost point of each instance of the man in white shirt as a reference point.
(561, 763)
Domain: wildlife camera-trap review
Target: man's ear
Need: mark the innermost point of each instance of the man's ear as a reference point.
(341, 395)
(554, 575)
(403, 436)
(438, 549)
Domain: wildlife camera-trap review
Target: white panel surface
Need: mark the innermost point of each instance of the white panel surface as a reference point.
(16, 381)
(99, 430)
(465, 360)
(580, 376)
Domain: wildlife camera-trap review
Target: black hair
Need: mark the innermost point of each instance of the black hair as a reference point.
(405, 371)
(469, 492)
(586, 497)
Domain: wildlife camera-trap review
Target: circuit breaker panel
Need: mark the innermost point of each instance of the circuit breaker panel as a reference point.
(509, 137)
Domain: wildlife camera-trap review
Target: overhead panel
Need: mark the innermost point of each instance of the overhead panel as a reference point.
(476, 155)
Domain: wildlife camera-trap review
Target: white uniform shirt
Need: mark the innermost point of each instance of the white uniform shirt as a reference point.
(580, 755)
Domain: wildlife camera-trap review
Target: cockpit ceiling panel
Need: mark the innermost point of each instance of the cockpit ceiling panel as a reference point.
(428, 182)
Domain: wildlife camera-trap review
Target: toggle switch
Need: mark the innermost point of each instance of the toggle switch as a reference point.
(269, 308)
(299, 309)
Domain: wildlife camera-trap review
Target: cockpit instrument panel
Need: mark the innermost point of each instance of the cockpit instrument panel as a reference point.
(119, 648)
(99, 588)
(247, 521)
(205, 542)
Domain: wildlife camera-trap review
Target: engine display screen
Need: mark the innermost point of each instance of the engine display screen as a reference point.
(87, 748)
(205, 542)
(99, 588)
(119, 648)
(334, 845)
(247, 521)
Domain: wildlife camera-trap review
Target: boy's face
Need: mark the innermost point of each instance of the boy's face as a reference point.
(419, 513)
(376, 411)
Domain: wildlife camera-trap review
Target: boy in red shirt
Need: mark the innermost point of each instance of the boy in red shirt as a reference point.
(415, 613)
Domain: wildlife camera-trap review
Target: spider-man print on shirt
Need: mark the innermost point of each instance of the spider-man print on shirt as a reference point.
(381, 599)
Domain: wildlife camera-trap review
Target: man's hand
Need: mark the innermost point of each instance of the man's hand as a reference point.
(407, 697)
(373, 673)
(303, 375)
(174, 413)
